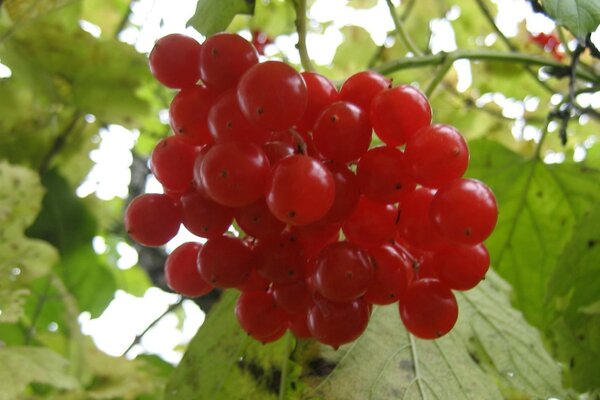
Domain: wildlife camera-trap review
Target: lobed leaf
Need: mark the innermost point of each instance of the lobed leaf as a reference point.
(214, 16)
(579, 16)
(573, 300)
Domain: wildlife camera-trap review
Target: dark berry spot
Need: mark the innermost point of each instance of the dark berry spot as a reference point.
(260, 111)
(468, 232)
(291, 214)
(398, 186)
(214, 51)
(229, 125)
(334, 118)
(223, 174)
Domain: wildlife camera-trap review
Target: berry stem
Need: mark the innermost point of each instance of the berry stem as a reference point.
(401, 32)
(439, 76)
(478, 55)
(300, 6)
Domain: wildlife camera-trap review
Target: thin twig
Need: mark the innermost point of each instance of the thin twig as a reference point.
(300, 6)
(439, 76)
(565, 113)
(138, 338)
(480, 55)
(401, 32)
(124, 20)
(59, 142)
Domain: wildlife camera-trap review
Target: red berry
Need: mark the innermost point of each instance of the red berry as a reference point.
(347, 193)
(260, 317)
(362, 87)
(256, 220)
(280, 259)
(181, 273)
(391, 274)
(301, 190)
(437, 155)
(398, 113)
(338, 323)
(225, 261)
(343, 272)
(203, 217)
(172, 163)
(152, 219)
(464, 211)
(371, 224)
(175, 60)
(234, 173)
(342, 132)
(293, 297)
(383, 175)
(225, 57)
(461, 267)
(272, 95)
(429, 309)
(321, 93)
(188, 114)
(414, 224)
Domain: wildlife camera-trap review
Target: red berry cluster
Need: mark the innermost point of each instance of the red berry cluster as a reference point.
(287, 157)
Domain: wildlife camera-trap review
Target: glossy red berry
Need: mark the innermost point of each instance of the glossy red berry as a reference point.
(300, 191)
(181, 273)
(437, 155)
(203, 217)
(414, 224)
(429, 309)
(383, 175)
(188, 114)
(172, 163)
(391, 275)
(461, 267)
(464, 211)
(175, 60)
(362, 87)
(280, 259)
(343, 272)
(321, 92)
(293, 297)
(398, 113)
(225, 57)
(256, 220)
(152, 219)
(371, 224)
(272, 95)
(225, 261)
(347, 193)
(342, 132)
(259, 316)
(234, 174)
(336, 324)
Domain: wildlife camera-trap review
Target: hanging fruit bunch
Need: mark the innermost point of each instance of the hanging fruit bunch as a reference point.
(328, 224)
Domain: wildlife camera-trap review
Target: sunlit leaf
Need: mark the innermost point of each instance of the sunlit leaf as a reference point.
(213, 16)
(539, 205)
(574, 301)
(579, 16)
(492, 354)
(22, 366)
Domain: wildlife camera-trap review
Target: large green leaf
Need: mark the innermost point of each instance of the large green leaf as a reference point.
(224, 363)
(23, 10)
(539, 205)
(574, 301)
(22, 366)
(66, 222)
(213, 16)
(491, 354)
(21, 259)
(579, 16)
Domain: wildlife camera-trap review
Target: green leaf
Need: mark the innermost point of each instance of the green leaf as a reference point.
(23, 10)
(22, 366)
(214, 16)
(21, 259)
(354, 53)
(579, 16)
(539, 205)
(223, 362)
(491, 354)
(574, 300)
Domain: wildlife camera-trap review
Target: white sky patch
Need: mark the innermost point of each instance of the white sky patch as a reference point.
(5, 71)
(90, 28)
(110, 175)
(133, 314)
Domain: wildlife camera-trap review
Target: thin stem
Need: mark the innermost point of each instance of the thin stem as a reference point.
(565, 114)
(124, 20)
(39, 305)
(401, 32)
(439, 76)
(139, 337)
(300, 6)
(59, 142)
(480, 55)
(490, 19)
(413, 349)
(284, 369)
